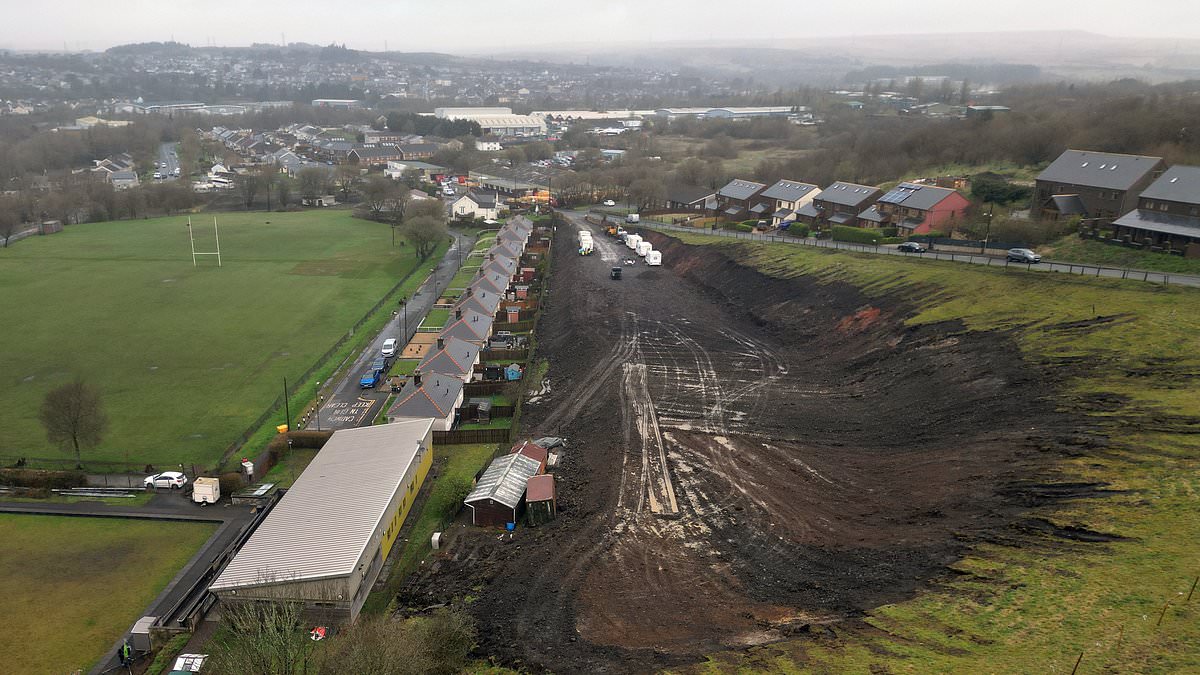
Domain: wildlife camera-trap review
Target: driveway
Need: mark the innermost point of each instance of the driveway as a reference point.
(350, 406)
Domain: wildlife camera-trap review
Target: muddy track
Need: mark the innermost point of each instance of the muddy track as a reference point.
(823, 459)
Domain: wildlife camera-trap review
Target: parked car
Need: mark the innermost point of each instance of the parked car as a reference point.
(609, 202)
(166, 479)
(389, 348)
(1023, 255)
(615, 273)
(369, 380)
(911, 247)
(380, 364)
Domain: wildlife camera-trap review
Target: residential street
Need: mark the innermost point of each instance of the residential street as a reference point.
(976, 259)
(348, 405)
(168, 159)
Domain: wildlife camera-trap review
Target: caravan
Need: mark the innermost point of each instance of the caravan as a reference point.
(643, 248)
(654, 258)
(632, 240)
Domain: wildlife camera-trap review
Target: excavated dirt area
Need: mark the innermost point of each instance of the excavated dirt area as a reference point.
(748, 458)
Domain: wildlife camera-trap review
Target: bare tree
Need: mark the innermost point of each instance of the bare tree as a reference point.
(348, 177)
(248, 185)
(10, 220)
(74, 417)
(283, 190)
(424, 233)
(312, 179)
(264, 637)
(379, 193)
(647, 192)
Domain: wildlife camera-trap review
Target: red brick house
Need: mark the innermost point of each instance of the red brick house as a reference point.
(913, 208)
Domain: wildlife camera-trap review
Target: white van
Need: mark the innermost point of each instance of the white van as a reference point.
(389, 348)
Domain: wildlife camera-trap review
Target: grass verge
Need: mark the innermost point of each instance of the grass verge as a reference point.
(456, 466)
(1093, 252)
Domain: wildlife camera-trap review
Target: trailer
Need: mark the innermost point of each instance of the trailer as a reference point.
(654, 258)
(643, 248)
(632, 241)
(206, 490)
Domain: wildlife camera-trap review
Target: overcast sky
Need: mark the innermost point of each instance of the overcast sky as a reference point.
(479, 26)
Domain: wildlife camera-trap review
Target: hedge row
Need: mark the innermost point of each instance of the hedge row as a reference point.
(741, 227)
(49, 480)
(856, 235)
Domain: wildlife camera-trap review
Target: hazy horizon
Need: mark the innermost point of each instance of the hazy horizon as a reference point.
(373, 25)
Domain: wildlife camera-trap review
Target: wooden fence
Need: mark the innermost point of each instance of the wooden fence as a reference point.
(483, 388)
(463, 436)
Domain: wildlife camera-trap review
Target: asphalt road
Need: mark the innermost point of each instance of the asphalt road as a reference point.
(975, 259)
(350, 406)
(168, 159)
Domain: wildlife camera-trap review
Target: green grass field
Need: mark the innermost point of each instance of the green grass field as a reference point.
(185, 357)
(1013, 609)
(436, 318)
(70, 586)
(1094, 252)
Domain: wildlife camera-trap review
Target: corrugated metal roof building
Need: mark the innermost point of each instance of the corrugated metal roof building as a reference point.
(500, 493)
(324, 543)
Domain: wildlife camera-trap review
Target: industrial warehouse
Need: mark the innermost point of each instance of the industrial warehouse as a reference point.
(325, 541)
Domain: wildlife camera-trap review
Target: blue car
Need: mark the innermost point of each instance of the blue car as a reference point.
(370, 380)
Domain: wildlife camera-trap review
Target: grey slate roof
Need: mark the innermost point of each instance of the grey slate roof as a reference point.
(872, 214)
(789, 190)
(688, 194)
(1179, 184)
(1068, 205)
(1156, 221)
(323, 525)
(485, 200)
(848, 194)
(490, 281)
(915, 196)
(434, 398)
(472, 327)
(484, 302)
(1099, 169)
(505, 480)
(457, 358)
(809, 210)
(841, 218)
(740, 189)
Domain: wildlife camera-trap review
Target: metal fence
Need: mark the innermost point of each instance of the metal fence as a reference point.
(973, 258)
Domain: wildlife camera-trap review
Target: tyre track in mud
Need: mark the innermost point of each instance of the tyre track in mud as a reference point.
(798, 502)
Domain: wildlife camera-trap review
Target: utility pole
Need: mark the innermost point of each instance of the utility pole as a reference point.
(987, 233)
(287, 408)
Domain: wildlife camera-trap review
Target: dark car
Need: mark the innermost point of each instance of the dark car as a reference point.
(615, 273)
(1023, 255)
(911, 247)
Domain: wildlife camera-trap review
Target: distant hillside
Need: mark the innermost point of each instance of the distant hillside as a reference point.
(829, 60)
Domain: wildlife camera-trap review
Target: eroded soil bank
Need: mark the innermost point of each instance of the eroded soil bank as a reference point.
(749, 458)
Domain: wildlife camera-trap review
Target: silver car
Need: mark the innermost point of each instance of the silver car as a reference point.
(1023, 255)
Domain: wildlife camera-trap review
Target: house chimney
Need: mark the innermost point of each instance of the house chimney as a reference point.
(417, 377)
(441, 344)
(458, 314)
